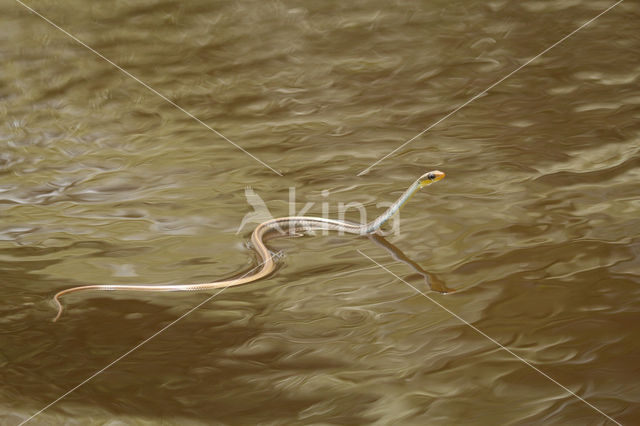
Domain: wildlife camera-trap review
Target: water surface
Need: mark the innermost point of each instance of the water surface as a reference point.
(536, 225)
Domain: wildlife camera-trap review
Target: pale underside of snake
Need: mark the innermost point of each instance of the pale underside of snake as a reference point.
(268, 264)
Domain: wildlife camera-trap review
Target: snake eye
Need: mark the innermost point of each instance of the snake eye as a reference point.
(431, 176)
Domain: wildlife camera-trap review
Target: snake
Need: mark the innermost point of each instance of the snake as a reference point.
(268, 264)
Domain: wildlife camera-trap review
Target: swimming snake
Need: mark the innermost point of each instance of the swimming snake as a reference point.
(268, 265)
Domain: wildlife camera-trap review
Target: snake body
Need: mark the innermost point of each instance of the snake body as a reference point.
(268, 265)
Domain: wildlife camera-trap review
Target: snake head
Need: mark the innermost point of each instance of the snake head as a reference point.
(430, 177)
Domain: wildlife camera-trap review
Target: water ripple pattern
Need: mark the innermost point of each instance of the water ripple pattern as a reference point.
(536, 226)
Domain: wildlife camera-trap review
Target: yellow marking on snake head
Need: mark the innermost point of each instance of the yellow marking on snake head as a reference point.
(430, 177)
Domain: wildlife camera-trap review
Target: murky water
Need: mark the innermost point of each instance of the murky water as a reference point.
(536, 225)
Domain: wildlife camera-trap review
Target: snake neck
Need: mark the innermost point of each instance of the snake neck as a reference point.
(388, 214)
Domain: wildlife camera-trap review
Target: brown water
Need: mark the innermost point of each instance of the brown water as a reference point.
(537, 225)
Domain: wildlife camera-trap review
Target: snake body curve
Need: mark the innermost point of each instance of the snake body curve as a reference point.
(268, 265)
